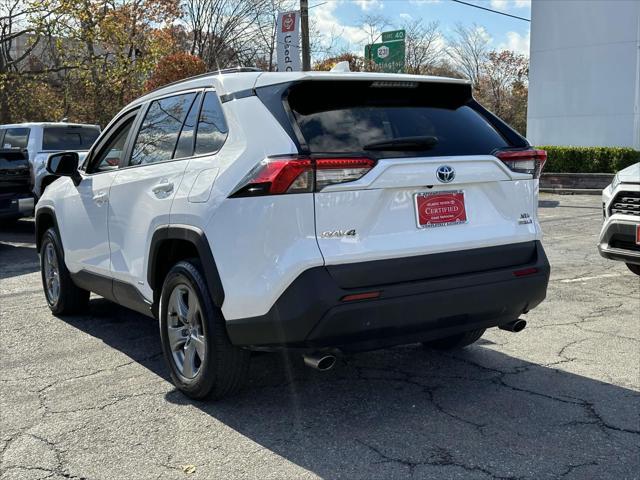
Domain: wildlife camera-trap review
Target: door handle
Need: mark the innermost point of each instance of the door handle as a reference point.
(100, 198)
(163, 188)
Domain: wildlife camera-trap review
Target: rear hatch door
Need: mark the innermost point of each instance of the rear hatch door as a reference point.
(436, 184)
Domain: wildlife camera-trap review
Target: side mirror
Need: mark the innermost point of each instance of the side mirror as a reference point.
(64, 164)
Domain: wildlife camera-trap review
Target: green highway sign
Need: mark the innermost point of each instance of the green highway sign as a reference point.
(389, 55)
(393, 36)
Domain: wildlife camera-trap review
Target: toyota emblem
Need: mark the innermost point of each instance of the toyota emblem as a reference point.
(445, 174)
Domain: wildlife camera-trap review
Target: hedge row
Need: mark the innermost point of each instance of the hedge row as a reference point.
(589, 159)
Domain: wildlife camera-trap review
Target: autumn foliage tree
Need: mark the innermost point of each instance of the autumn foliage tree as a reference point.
(174, 67)
(502, 86)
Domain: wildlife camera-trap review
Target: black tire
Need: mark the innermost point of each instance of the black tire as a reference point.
(634, 268)
(225, 367)
(71, 299)
(460, 340)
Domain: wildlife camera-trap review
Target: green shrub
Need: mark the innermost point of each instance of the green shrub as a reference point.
(589, 159)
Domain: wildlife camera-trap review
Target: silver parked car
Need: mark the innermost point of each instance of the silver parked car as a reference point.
(42, 139)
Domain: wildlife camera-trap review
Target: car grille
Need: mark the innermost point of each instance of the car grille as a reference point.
(627, 203)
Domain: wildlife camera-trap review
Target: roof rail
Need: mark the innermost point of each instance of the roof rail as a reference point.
(208, 74)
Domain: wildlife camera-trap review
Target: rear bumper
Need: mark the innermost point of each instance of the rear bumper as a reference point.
(17, 206)
(618, 240)
(310, 313)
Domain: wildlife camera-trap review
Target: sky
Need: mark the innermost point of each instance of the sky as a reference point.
(344, 17)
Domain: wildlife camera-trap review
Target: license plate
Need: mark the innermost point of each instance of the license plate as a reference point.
(440, 209)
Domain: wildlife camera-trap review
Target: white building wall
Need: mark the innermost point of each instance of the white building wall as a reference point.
(584, 80)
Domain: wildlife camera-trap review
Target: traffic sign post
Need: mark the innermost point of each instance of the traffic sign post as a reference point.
(389, 54)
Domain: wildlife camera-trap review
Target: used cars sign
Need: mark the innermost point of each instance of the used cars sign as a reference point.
(288, 40)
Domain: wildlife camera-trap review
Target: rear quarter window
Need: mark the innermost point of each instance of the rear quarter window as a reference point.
(69, 138)
(345, 117)
(212, 127)
(16, 138)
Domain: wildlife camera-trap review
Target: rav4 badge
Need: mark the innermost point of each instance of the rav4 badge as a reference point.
(338, 233)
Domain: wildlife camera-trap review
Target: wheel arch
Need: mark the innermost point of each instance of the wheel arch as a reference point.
(172, 242)
(45, 219)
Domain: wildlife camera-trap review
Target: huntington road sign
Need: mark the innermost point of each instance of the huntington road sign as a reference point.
(389, 54)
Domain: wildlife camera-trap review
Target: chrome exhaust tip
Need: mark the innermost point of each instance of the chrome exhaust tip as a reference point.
(320, 361)
(515, 326)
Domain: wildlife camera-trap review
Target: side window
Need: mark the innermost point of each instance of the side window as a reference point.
(212, 127)
(1, 137)
(16, 138)
(184, 148)
(160, 128)
(110, 155)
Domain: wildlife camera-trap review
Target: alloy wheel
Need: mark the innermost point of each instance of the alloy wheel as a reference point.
(51, 273)
(185, 331)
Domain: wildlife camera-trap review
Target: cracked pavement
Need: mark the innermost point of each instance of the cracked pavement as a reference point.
(89, 397)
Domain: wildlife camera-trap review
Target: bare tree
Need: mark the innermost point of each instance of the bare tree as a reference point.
(15, 27)
(372, 27)
(225, 32)
(503, 86)
(424, 46)
(468, 49)
(22, 23)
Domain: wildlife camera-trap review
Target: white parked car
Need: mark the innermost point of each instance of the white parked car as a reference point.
(42, 139)
(317, 211)
(620, 234)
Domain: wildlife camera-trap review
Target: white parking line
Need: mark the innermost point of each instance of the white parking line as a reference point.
(584, 279)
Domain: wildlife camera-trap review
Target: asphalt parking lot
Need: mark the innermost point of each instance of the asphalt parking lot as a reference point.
(89, 397)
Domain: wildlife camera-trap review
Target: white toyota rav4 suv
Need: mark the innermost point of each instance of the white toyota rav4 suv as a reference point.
(316, 211)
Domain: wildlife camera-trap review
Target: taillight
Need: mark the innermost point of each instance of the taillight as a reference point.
(292, 174)
(330, 171)
(529, 161)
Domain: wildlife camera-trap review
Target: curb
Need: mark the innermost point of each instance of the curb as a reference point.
(575, 183)
(572, 191)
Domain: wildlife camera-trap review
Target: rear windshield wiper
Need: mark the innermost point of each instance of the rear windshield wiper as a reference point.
(404, 143)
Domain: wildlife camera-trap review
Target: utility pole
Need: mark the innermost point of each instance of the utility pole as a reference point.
(304, 32)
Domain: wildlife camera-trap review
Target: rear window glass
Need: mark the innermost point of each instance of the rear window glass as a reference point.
(16, 138)
(69, 138)
(345, 117)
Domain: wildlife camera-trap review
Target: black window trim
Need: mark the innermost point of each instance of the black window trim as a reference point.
(199, 99)
(106, 136)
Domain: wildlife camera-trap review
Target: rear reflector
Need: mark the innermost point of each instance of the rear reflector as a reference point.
(529, 161)
(360, 296)
(525, 271)
(293, 174)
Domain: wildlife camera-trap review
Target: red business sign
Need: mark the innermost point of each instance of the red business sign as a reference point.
(444, 208)
(289, 22)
